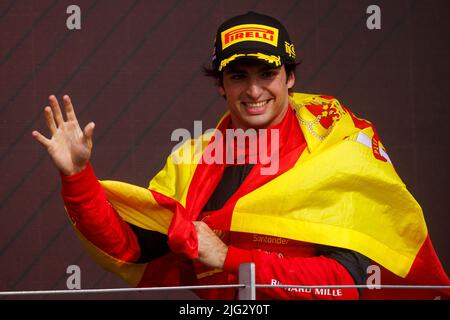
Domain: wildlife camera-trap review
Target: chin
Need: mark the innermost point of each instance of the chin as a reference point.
(259, 122)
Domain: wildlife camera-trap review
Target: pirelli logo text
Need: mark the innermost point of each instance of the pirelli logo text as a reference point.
(249, 32)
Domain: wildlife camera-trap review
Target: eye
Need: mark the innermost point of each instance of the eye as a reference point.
(269, 74)
(237, 76)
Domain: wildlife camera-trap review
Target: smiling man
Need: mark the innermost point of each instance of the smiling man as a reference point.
(257, 94)
(333, 206)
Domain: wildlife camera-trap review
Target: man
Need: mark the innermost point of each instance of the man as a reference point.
(332, 203)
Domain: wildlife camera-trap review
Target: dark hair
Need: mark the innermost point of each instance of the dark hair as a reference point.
(218, 75)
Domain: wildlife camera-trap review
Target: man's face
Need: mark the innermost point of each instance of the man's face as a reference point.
(257, 94)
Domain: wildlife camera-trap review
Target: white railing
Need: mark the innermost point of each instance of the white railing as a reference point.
(247, 287)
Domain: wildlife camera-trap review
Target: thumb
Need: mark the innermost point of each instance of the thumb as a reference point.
(89, 131)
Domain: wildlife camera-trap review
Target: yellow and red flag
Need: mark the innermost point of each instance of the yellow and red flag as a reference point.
(341, 190)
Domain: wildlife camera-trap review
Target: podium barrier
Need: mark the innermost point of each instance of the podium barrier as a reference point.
(247, 287)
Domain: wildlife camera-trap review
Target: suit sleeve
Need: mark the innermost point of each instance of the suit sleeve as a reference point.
(95, 218)
(275, 269)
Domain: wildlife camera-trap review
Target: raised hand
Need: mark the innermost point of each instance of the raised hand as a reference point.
(69, 147)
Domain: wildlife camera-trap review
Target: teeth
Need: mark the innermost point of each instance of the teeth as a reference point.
(256, 104)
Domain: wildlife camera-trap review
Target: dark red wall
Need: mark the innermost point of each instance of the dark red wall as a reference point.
(135, 69)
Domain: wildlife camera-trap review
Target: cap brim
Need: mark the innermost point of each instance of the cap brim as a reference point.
(272, 60)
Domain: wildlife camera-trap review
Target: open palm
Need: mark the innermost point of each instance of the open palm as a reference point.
(69, 147)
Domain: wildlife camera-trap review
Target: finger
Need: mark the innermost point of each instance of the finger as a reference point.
(40, 138)
(50, 120)
(56, 110)
(70, 111)
(197, 225)
(201, 225)
(89, 131)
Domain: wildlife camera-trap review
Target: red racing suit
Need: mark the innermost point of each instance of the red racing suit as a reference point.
(277, 260)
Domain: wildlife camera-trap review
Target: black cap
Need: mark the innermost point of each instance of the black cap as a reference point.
(252, 35)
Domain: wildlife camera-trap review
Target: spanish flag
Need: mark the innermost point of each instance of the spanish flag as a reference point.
(341, 190)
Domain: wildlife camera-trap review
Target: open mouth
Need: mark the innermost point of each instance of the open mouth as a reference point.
(256, 107)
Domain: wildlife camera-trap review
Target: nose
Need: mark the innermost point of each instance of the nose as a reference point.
(253, 89)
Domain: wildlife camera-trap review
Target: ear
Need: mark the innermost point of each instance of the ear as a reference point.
(220, 88)
(290, 80)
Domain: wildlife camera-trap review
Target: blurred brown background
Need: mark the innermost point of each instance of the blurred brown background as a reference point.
(135, 69)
